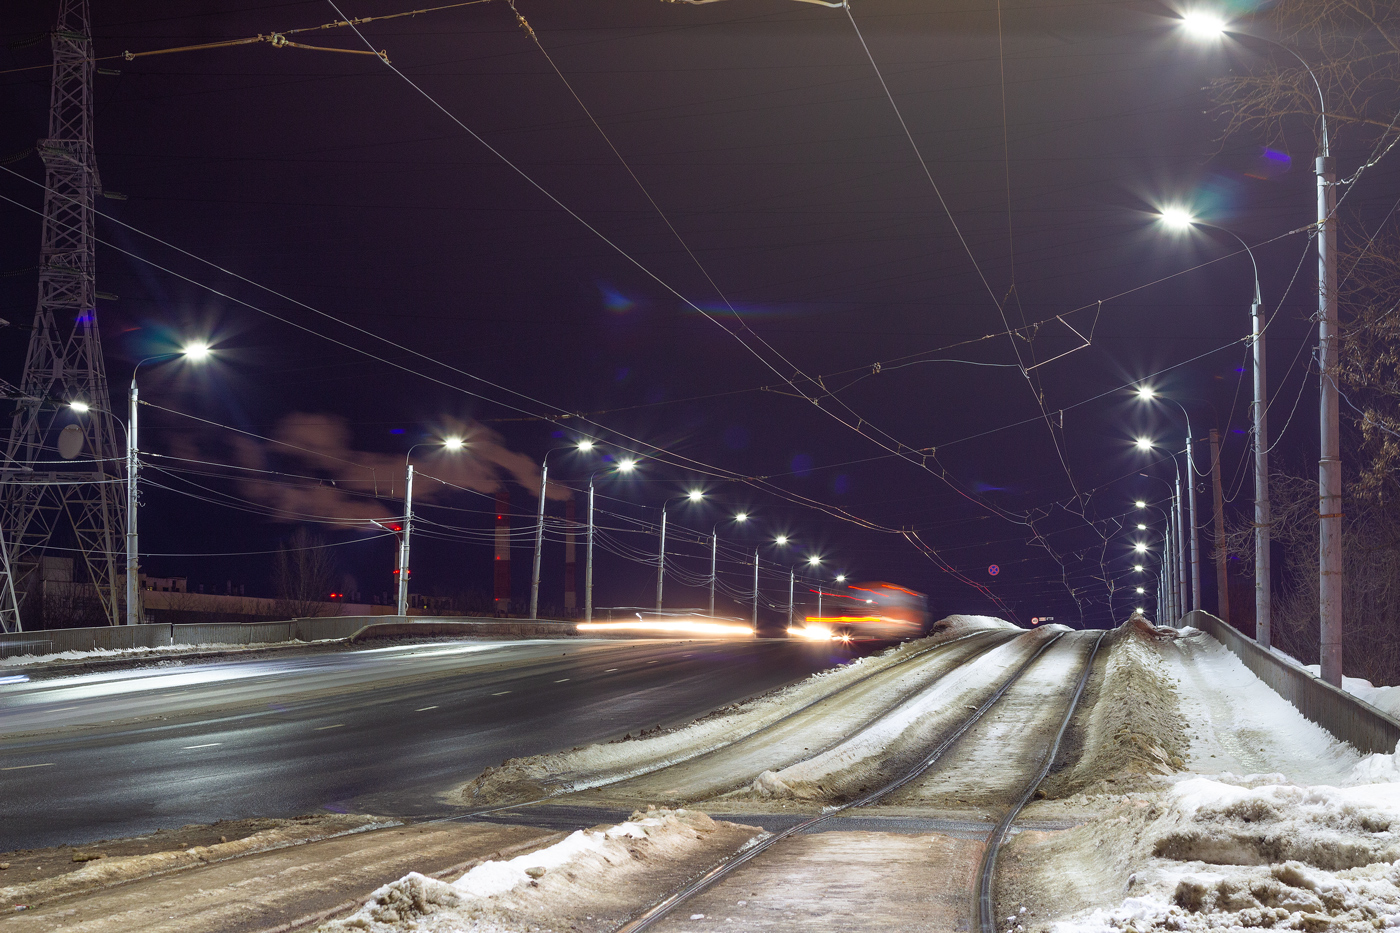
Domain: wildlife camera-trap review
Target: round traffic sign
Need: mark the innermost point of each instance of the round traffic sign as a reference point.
(994, 570)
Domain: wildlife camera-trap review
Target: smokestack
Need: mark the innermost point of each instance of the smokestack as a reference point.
(503, 551)
(570, 561)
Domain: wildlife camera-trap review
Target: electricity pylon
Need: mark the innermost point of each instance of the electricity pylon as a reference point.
(74, 487)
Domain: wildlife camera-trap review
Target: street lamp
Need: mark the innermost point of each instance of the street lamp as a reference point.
(583, 446)
(196, 352)
(448, 443)
(739, 518)
(780, 541)
(812, 561)
(1182, 520)
(695, 495)
(625, 465)
(1183, 220)
(1203, 25)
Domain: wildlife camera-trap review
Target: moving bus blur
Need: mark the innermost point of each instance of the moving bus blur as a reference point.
(866, 610)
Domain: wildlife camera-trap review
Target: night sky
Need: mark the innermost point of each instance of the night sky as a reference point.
(449, 293)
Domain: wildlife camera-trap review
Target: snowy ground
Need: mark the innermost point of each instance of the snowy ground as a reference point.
(588, 881)
(608, 764)
(1273, 824)
(26, 660)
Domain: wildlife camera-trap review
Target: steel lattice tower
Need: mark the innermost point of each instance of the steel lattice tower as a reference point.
(40, 492)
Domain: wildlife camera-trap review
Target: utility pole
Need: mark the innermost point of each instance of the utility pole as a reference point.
(37, 497)
(539, 542)
(588, 558)
(1179, 519)
(1263, 616)
(1222, 580)
(755, 590)
(1329, 474)
(570, 558)
(1194, 526)
(714, 567)
(661, 560)
(403, 540)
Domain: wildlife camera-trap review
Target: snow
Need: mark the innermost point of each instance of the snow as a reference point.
(1385, 699)
(21, 660)
(599, 765)
(595, 870)
(1224, 855)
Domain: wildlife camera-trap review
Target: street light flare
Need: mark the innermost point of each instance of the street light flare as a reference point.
(695, 495)
(1203, 24)
(1140, 504)
(626, 465)
(1146, 392)
(197, 351)
(453, 443)
(1144, 443)
(742, 517)
(814, 560)
(585, 445)
(781, 539)
(79, 406)
(1140, 547)
(1177, 218)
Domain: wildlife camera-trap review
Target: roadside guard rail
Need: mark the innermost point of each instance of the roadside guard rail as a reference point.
(160, 634)
(1347, 717)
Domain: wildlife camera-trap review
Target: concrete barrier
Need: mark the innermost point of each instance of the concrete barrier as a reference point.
(464, 628)
(162, 634)
(1345, 716)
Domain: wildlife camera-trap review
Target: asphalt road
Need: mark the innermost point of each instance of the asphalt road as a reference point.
(383, 730)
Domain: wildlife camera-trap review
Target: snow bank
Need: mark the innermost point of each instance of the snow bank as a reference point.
(538, 776)
(905, 731)
(21, 660)
(962, 625)
(1217, 855)
(1129, 726)
(596, 871)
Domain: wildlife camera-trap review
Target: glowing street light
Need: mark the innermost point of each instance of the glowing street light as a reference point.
(695, 495)
(1141, 527)
(449, 443)
(1176, 219)
(1146, 392)
(1203, 24)
(739, 519)
(1140, 547)
(196, 353)
(626, 465)
(583, 446)
(1140, 504)
(1137, 568)
(453, 444)
(80, 406)
(1141, 590)
(781, 539)
(1143, 443)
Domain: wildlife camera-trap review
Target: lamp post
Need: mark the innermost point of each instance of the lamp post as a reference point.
(1175, 577)
(741, 517)
(1330, 569)
(625, 465)
(1182, 220)
(448, 443)
(812, 561)
(695, 495)
(197, 353)
(584, 446)
(780, 541)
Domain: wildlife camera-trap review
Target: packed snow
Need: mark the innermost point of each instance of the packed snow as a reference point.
(22, 660)
(598, 765)
(589, 874)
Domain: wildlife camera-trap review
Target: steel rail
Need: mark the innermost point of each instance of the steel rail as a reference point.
(733, 862)
(552, 797)
(986, 875)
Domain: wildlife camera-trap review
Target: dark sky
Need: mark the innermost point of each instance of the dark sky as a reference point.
(763, 133)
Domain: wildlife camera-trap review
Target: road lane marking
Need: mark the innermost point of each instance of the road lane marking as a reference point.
(63, 709)
(205, 745)
(22, 767)
(611, 670)
(336, 726)
(425, 709)
(501, 694)
(565, 680)
(653, 662)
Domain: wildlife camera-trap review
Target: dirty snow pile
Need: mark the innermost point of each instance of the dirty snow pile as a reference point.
(589, 873)
(20, 660)
(1249, 853)
(596, 765)
(1131, 726)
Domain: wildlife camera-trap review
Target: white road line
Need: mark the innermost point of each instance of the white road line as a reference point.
(336, 726)
(206, 745)
(501, 694)
(565, 680)
(425, 709)
(611, 670)
(22, 767)
(62, 709)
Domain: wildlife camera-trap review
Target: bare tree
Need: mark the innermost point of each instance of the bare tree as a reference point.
(303, 575)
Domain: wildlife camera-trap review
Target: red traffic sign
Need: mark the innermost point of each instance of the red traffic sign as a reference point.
(994, 570)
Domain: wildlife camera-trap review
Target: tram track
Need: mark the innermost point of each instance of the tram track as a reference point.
(982, 896)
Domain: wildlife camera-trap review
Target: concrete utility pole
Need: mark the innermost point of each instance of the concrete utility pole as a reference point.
(133, 563)
(755, 589)
(1222, 581)
(661, 560)
(502, 563)
(539, 542)
(1329, 473)
(403, 542)
(570, 558)
(1194, 527)
(1263, 616)
(1181, 565)
(588, 557)
(714, 567)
